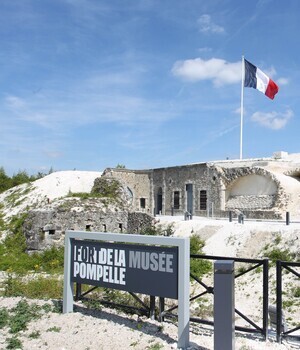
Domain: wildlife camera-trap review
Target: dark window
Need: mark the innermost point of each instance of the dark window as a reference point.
(176, 203)
(104, 227)
(51, 232)
(120, 227)
(203, 200)
(143, 203)
(88, 227)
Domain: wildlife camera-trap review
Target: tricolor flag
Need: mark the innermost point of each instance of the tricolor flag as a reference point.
(257, 79)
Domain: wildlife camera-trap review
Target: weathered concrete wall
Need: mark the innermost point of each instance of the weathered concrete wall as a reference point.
(138, 183)
(45, 228)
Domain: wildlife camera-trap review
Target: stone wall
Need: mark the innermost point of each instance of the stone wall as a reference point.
(45, 228)
(175, 179)
(226, 186)
(138, 183)
(250, 202)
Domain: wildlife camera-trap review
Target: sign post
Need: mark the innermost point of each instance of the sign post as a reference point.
(224, 305)
(152, 265)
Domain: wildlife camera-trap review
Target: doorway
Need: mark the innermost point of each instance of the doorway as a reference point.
(189, 198)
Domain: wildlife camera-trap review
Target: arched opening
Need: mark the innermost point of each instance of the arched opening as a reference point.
(251, 192)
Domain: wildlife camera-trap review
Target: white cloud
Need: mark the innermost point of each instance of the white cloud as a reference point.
(14, 102)
(206, 25)
(273, 120)
(238, 111)
(282, 81)
(215, 69)
(204, 49)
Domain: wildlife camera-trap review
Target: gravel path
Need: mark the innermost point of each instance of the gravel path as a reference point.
(110, 329)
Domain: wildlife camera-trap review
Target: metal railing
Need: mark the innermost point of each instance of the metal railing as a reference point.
(283, 332)
(254, 327)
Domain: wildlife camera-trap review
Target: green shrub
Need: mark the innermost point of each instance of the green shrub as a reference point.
(38, 288)
(23, 313)
(150, 231)
(296, 292)
(13, 343)
(83, 195)
(18, 318)
(106, 187)
(158, 230)
(277, 254)
(34, 335)
(3, 317)
(198, 267)
(14, 258)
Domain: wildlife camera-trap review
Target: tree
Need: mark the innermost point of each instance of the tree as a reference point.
(5, 181)
(20, 178)
(120, 166)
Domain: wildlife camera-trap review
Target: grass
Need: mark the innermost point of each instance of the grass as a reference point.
(18, 318)
(41, 287)
(54, 329)
(155, 346)
(13, 343)
(280, 254)
(14, 258)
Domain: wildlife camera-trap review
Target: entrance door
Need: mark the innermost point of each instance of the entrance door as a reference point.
(159, 201)
(189, 198)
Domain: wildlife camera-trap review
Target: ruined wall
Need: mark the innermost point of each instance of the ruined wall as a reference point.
(254, 190)
(45, 228)
(138, 183)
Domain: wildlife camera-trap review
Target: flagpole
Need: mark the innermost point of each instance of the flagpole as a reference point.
(242, 108)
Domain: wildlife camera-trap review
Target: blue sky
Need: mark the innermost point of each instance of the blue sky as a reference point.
(89, 84)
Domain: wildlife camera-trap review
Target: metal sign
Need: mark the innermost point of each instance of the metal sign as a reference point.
(149, 270)
(154, 265)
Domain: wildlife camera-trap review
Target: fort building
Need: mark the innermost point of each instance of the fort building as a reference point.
(263, 188)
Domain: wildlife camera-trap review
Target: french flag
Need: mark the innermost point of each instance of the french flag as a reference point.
(257, 79)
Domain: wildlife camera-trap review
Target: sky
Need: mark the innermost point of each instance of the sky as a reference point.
(90, 84)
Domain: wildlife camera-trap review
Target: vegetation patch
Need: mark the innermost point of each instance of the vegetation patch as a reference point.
(198, 266)
(40, 287)
(158, 230)
(21, 177)
(109, 188)
(275, 254)
(18, 318)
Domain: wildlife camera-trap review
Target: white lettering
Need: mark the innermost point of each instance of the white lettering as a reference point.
(110, 256)
(120, 258)
(154, 262)
(82, 272)
(76, 269)
(122, 271)
(135, 259)
(99, 272)
(91, 271)
(169, 263)
(151, 261)
(106, 273)
(161, 262)
(102, 256)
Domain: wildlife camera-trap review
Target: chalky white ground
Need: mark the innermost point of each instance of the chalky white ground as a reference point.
(110, 329)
